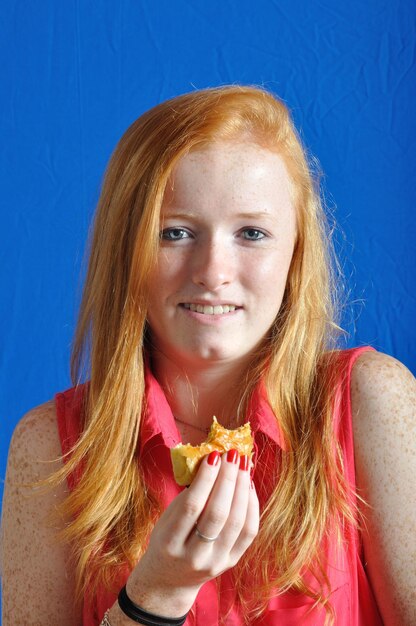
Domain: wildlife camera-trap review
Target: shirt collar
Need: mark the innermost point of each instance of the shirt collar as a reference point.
(261, 417)
(158, 417)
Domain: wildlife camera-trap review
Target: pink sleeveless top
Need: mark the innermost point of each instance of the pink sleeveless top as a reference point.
(351, 596)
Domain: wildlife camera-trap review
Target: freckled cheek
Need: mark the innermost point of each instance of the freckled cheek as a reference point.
(168, 269)
(271, 271)
(267, 282)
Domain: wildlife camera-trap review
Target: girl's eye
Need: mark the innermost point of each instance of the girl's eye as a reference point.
(174, 234)
(252, 234)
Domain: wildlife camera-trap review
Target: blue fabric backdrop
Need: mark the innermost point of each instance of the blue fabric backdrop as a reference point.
(75, 74)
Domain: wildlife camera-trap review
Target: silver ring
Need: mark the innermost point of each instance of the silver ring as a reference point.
(204, 537)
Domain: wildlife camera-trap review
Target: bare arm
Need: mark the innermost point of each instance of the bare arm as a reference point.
(37, 579)
(384, 403)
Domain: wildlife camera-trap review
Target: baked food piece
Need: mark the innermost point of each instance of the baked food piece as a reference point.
(186, 458)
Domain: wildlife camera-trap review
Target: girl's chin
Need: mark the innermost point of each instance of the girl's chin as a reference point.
(212, 355)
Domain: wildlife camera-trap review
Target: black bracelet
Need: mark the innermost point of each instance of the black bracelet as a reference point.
(141, 616)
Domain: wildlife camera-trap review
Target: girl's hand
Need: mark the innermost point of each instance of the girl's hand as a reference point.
(221, 503)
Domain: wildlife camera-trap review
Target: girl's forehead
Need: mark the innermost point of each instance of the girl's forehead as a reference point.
(220, 160)
(229, 168)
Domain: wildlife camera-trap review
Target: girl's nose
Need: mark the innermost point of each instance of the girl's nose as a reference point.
(213, 266)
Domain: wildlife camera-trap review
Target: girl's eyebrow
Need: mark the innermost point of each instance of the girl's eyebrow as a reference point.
(178, 215)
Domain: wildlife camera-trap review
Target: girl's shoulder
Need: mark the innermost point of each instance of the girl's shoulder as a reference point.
(36, 435)
(383, 408)
(378, 379)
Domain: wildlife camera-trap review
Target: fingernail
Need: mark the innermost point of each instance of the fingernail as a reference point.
(213, 458)
(232, 456)
(244, 461)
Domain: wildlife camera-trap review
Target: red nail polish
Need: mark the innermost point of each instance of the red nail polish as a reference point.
(232, 456)
(244, 460)
(213, 458)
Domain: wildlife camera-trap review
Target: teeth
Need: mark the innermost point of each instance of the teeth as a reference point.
(210, 310)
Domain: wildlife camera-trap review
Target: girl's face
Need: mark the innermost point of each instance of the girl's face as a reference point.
(228, 229)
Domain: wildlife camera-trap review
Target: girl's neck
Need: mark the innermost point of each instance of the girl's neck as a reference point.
(195, 393)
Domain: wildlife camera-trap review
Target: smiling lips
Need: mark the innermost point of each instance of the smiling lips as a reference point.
(218, 309)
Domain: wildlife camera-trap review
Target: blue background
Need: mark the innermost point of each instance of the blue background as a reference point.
(75, 74)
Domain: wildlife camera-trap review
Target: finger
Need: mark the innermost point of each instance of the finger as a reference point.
(217, 509)
(188, 506)
(250, 528)
(239, 508)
